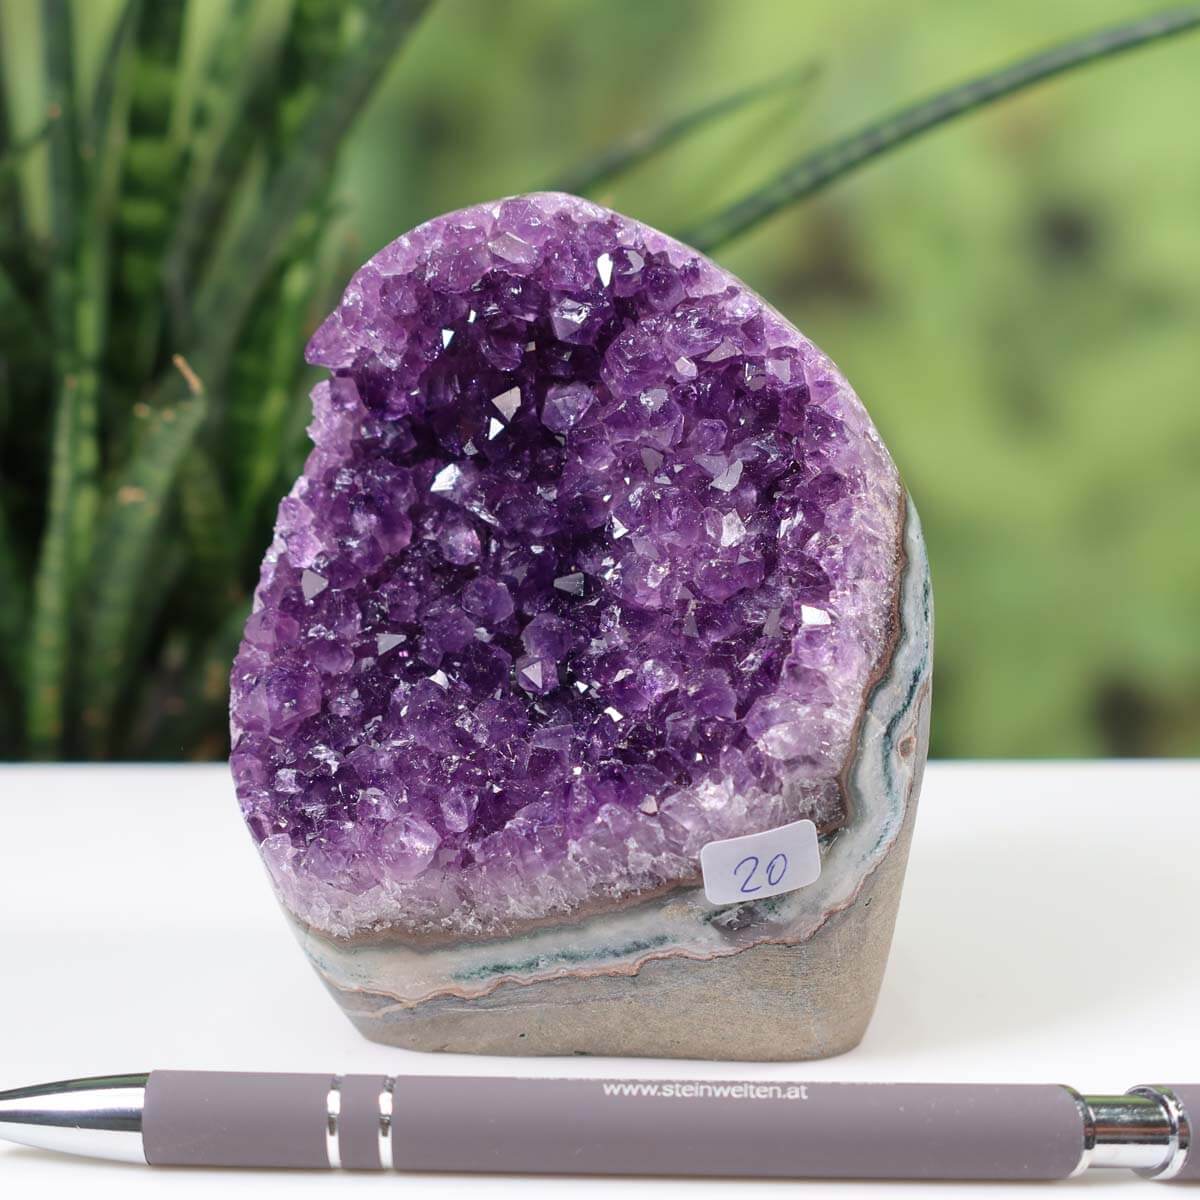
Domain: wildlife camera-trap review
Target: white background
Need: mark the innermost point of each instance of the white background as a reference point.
(1048, 933)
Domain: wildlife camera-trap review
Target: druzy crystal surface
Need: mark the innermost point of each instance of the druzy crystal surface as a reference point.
(593, 561)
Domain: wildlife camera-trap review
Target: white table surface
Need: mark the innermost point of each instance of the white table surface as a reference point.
(1048, 933)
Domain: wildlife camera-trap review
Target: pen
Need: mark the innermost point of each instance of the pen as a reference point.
(746, 1128)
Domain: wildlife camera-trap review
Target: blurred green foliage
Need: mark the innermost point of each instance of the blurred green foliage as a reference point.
(1016, 298)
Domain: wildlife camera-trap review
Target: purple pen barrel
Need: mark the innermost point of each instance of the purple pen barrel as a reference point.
(654, 1127)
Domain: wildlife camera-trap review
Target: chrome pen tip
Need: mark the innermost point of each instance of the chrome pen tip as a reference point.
(100, 1117)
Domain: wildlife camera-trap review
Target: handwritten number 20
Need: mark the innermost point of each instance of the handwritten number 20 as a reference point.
(775, 871)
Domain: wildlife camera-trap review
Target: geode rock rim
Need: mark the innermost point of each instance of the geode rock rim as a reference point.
(705, 490)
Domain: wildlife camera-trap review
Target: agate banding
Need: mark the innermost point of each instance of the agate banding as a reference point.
(596, 559)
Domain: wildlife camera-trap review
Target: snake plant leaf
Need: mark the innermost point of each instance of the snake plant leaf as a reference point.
(97, 121)
(142, 491)
(52, 619)
(234, 100)
(260, 243)
(643, 145)
(125, 539)
(820, 168)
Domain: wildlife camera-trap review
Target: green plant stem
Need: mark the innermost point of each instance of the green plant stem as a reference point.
(822, 167)
(588, 176)
(52, 622)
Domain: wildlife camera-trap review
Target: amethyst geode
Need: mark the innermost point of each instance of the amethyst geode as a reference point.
(596, 559)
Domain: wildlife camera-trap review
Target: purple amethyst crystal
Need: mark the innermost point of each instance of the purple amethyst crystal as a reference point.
(594, 560)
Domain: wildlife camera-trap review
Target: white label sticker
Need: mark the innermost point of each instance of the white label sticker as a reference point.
(761, 864)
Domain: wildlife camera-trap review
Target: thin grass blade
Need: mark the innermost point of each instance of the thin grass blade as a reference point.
(643, 145)
(822, 167)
